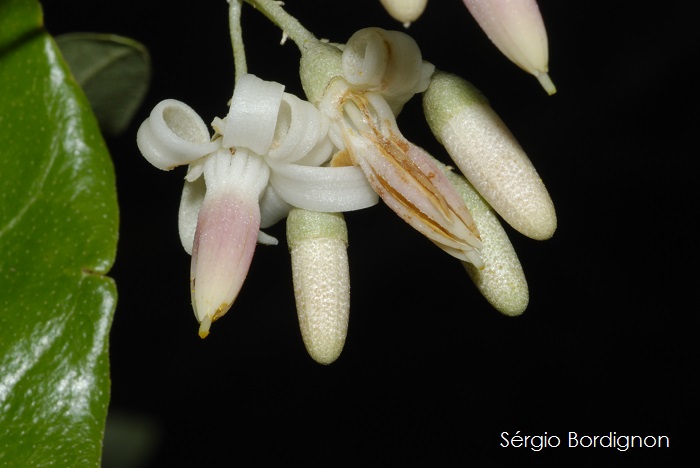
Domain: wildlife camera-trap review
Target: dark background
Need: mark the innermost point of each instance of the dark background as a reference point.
(430, 374)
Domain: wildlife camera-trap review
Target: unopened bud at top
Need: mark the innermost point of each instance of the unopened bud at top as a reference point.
(517, 29)
(405, 11)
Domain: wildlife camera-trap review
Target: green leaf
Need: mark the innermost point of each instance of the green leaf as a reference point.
(58, 235)
(114, 72)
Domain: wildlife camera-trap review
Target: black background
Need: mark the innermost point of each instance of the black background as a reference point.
(430, 374)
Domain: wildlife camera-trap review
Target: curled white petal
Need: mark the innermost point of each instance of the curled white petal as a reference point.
(173, 135)
(319, 154)
(299, 128)
(386, 61)
(329, 189)
(253, 114)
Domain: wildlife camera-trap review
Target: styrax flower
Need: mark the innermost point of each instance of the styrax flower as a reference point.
(381, 71)
(276, 156)
(263, 159)
(400, 172)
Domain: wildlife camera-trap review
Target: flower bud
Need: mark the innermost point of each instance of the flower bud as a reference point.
(319, 63)
(502, 281)
(405, 11)
(517, 29)
(488, 155)
(318, 247)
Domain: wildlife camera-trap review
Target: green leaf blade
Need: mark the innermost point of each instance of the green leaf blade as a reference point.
(114, 72)
(58, 235)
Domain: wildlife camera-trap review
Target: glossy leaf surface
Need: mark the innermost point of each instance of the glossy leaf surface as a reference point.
(58, 234)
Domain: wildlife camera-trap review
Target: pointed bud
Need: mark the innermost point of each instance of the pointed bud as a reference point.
(405, 11)
(318, 247)
(227, 230)
(517, 29)
(488, 154)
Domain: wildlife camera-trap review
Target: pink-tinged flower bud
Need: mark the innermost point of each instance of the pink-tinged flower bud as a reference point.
(401, 173)
(517, 29)
(488, 154)
(320, 272)
(227, 230)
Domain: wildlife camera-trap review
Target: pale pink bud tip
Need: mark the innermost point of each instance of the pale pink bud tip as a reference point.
(517, 29)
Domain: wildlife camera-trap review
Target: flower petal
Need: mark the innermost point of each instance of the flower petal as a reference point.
(174, 135)
(329, 189)
(188, 212)
(299, 129)
(389, 62)
(252, 117)
(272, 207)
(402, 174)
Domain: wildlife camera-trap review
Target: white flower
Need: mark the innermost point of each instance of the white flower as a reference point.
(264, 158)
(381, 70)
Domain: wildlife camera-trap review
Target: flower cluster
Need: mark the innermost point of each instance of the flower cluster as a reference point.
(276, 156)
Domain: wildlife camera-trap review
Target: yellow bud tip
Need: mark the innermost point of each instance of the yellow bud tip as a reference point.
(204, 327)
(546, 83)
